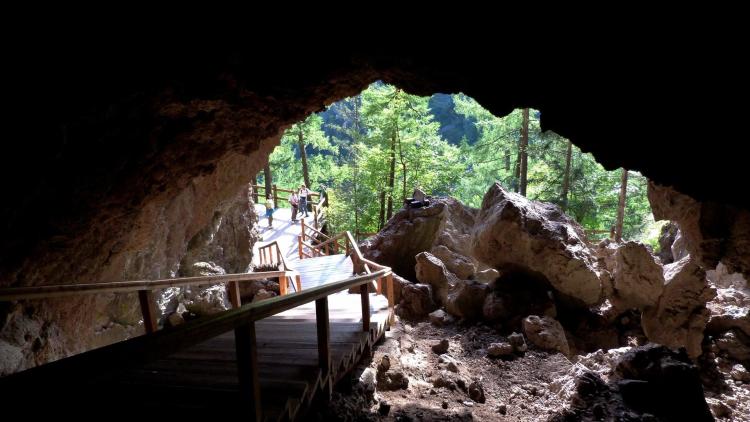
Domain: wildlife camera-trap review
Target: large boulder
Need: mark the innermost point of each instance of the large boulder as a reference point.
(411, 231)
(513, 231)
(681, 315)
(463, 298)
(713, 232)
(638, 280)
(659, 381)
(416, 301)
(458, 264)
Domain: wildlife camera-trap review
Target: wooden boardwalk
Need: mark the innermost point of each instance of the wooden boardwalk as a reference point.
(195, 379)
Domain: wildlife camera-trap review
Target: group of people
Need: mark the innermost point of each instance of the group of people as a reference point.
(297, 199)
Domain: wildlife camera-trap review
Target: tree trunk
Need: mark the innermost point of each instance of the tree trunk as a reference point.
(507, 159)
(517, 170)
(303, 155)
(566, 177)
(621, 206)
(524, 170)
(391, 178)
(381, 217)
(268, 180)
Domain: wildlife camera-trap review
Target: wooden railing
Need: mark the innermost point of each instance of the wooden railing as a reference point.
(275, 192)
(312, 243)
(145, 289)
(266, 257)
(141, 350)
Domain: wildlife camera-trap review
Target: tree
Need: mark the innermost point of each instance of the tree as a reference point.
(621, 206)
(523, 153)
(566, 177)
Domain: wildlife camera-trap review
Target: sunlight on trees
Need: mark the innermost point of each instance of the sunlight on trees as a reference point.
(371, 151)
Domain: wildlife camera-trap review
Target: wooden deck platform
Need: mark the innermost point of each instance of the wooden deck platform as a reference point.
(196, 379)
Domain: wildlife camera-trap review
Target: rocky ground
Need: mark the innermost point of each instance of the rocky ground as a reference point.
(460, 383)
(514, 315)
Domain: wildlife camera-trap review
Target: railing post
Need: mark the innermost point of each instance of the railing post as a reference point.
(389, 286)
(380, 286)
(247, 370)
(298, 279)
(255, 193)
(148, 310)
(299, 241)
(275, 197)
(364, 291)
(282, 285)
(324, 335)
(315, 217)
(233, 291)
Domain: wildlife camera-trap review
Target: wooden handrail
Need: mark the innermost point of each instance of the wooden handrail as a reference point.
(141, 350)
(144, 349)
(42, 292)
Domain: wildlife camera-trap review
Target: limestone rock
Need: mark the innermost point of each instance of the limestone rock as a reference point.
(497, 350)
(546, 333)
(409, 232)
(463, 298)
(416, 301)
(458, 264)
(263, 294)
(638, 280)
(713, 232)
(662, 382)
(440, 318)
(680, 317)
(441, 347)
(739, 373)
(476, 392)
(731, 306)
(666, 239)
(518, 342)
(735, 344)
(512, 231)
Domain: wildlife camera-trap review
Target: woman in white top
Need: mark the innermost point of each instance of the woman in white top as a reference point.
(304, 193)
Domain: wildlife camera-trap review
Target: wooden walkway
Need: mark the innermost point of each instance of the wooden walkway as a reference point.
(197, 378)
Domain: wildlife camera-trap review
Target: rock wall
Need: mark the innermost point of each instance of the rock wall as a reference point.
(211, 219)
(712, 232)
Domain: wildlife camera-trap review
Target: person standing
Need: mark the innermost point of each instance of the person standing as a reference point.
(304, 195)
(294, 202)
(269, 210)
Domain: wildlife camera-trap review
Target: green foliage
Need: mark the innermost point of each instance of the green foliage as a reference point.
(350, 147)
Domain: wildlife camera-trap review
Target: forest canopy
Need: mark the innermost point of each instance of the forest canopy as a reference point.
(369, 152)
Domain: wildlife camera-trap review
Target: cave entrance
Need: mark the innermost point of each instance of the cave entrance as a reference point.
(368, 153)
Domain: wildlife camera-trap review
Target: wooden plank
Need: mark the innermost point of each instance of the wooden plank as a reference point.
(247, 369)
(148, 310)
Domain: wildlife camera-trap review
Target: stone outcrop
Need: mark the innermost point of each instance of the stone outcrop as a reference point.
(444, 225)
(680, 317)
(462, 298)
(731, 306)
(546, 333)
(638, 280)
(416, 301)
(512, 231)
(666, 239)
(713, 232)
